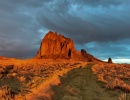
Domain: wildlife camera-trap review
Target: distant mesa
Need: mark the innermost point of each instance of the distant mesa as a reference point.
(109, 60)
(4, 58)
(57, 46)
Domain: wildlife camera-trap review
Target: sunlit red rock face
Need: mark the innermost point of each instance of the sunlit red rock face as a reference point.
(56, 46)
(88, 57)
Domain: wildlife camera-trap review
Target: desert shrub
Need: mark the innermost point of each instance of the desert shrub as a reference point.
(6, 93)
(12, 82)
(22, 79)
(123, 97)
(9, 67)
(3, 71)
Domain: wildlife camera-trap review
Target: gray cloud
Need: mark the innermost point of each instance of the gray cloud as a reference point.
(18, 31)
(102, 25)
(105, 3)
(118, 49)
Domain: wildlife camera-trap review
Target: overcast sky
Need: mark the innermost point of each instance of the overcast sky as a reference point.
(101, 27)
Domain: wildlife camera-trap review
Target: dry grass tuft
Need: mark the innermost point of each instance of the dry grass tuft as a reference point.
(116, 76)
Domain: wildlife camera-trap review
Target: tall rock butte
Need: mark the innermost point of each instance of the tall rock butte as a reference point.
(56, 46)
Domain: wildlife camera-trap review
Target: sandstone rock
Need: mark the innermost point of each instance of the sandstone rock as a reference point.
(56, 46)
(109, 60)
(86, 56)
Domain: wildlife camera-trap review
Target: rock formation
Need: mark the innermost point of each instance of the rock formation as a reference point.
(6, 58)
(56, 46)
(109, 60)
(86, 56)
(2, 58)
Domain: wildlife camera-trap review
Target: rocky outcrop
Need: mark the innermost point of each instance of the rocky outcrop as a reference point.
(3, 58)
(56, 46)
(109, 60)
(6, 58)
(86, 56)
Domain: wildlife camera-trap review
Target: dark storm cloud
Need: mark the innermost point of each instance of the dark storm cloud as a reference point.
(100, 24)
(23, 23)
(18, 31)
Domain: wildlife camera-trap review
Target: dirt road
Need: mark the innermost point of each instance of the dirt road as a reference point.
(82, 84)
